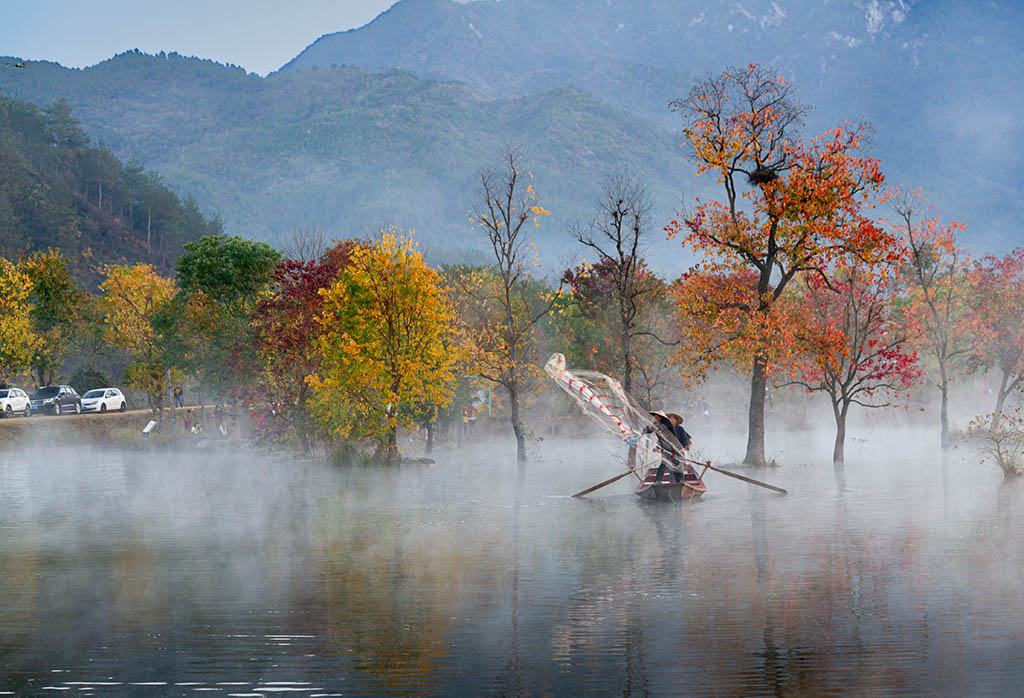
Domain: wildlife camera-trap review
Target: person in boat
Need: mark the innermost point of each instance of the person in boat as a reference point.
(670, 455)
(682, 436)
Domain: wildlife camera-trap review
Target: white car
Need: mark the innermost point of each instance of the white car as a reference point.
(104, 400)
(15, 401)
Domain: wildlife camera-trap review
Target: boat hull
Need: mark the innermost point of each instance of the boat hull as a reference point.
(668, 490)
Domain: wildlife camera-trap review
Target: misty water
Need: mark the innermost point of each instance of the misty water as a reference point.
(244, 574)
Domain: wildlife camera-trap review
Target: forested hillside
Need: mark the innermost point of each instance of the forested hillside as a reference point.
(57, 190)
(347, 150)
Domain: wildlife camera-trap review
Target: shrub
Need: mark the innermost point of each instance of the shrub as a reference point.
(1004, 445)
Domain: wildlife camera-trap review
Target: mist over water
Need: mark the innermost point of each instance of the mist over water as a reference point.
(133, 573)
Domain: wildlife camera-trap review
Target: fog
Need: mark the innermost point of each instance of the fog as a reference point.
(148, 572)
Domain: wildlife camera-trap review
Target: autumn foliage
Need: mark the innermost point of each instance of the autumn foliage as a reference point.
(803, 206)
(996, 322)
(852, 348)
(385, 341)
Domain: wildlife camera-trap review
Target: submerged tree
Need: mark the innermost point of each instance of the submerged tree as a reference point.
(938, 293)
(995, 321)
(853, 350)
(511, 308)
(803, 209)
(385, 338)
(617, 235)
(286, 328)
(1002, 443)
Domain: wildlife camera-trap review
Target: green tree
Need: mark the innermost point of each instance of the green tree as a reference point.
(206, 327)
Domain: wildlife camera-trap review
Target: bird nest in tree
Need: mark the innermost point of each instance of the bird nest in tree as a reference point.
(763, 175)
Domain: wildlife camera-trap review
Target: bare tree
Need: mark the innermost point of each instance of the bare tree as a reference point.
(305, 244)
(506, 210)
(936, 276)
(615, 235)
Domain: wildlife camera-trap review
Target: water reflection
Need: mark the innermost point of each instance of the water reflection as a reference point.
(132, 573)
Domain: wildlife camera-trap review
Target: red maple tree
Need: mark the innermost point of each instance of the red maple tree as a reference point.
(995, 322)
(853, 349)
(286, 330)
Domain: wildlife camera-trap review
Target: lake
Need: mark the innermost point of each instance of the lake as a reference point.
(244, 574)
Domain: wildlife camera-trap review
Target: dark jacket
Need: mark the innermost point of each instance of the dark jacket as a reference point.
(669, 453)
(682, 435)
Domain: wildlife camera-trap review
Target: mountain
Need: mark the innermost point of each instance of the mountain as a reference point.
(57, 190)
(348, 150)
(933, 77)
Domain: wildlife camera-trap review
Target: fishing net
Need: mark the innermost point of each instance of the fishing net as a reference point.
(604, 400)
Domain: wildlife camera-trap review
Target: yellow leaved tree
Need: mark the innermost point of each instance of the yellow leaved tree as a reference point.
(17, 341)
(132, 296)
(385, 335)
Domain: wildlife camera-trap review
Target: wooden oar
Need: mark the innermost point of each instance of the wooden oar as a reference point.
(751, 480)
(606, 482)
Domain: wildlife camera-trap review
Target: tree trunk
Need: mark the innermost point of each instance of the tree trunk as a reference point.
(390, 455)
(301, 425)
(1000, 400)
(517, 425)
(755, 425)
(944, 414)
(838, 452)
(627, 383)
(430, 437)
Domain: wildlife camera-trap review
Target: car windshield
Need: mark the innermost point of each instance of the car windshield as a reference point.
(47, 392)
(94, 393)
(3, 393)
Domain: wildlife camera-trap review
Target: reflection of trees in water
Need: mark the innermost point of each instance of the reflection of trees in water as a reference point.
(386, 590)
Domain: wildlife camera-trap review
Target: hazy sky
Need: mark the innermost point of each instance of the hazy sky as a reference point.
(259, 35)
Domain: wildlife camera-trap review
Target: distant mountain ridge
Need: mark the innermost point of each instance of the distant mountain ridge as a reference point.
(392, 123)
(934, 77)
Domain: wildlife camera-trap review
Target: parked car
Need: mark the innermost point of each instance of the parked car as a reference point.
(103, 400)
(56, 399)
(14, 401)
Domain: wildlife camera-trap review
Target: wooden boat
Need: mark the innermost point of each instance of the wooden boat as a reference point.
(668, 490)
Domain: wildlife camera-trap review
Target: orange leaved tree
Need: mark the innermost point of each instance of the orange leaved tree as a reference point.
(790, 208)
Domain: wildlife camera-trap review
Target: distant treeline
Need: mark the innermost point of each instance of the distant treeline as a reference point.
(58, 190)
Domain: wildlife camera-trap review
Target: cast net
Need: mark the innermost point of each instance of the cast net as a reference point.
(604, 400)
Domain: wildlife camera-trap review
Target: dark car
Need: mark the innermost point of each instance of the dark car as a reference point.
(56, 399)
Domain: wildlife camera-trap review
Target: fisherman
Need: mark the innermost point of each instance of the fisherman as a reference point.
(677, 429)
(670, 455)
(683, 437)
